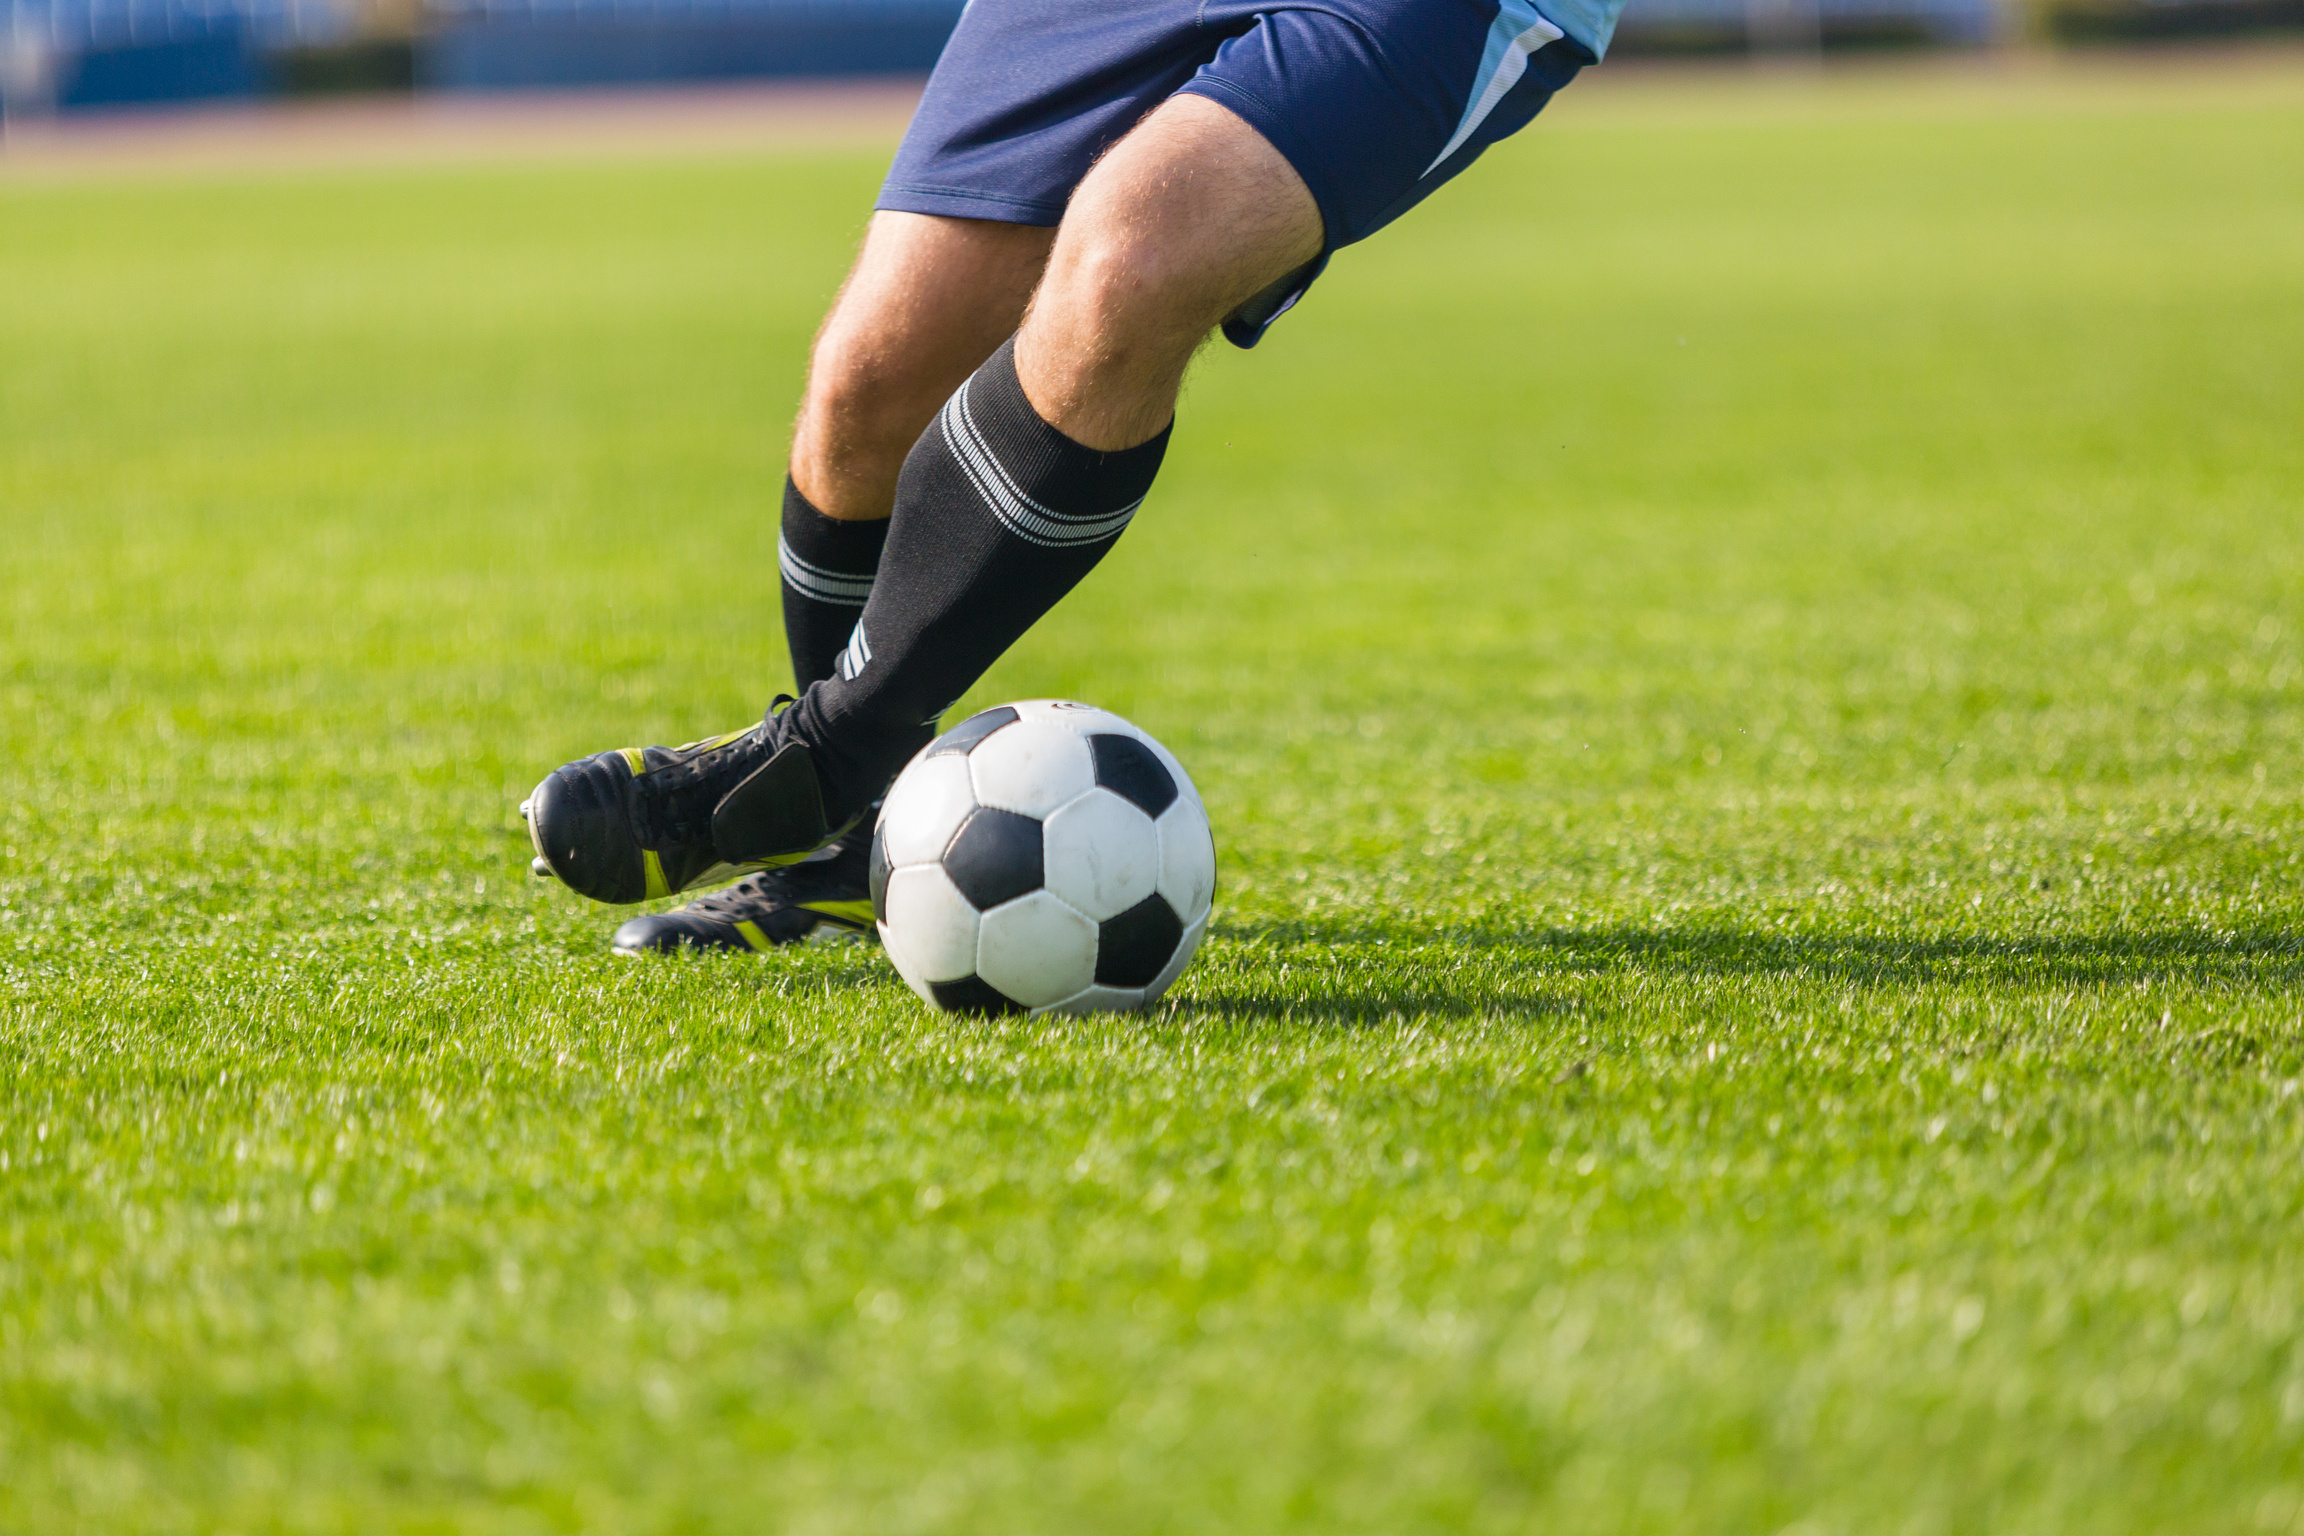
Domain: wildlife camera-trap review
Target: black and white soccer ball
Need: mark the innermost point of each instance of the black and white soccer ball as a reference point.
(1043, 856)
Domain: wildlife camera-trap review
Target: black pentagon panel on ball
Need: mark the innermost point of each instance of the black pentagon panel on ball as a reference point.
(962, 738)
(876, 875)
(995, 857)
(973, 994)
(1135, 947)
(1130, 770)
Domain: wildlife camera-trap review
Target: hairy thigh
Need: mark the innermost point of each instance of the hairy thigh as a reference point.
(1188, 217)
(1190, 214)
(928, 291)
(927, 301)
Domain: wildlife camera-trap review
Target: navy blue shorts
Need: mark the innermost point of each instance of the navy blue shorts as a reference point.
(1374, 102)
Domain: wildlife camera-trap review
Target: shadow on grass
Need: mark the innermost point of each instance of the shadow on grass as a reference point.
(1354, 1006)
(1550, 956)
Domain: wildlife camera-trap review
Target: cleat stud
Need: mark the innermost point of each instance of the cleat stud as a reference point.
(540, 869)
(526, 811)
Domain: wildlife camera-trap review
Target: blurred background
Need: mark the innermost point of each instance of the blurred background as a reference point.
(74, 56)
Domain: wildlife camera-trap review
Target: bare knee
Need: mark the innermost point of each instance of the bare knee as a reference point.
(859, 389)
(872, 387)
(1117, 295)
(1186, 219)
(855, 426)
(928, 300)
(1113, 328)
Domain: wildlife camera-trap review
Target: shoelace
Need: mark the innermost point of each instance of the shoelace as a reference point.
(688, 792)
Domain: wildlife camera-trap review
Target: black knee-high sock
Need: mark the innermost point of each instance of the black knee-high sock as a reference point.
(828, 567)
(998, 515)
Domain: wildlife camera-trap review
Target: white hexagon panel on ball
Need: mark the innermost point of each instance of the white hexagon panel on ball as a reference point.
(1102, 854)
(1036, 950)
(931, 798)
(1187, 860)
(1074, 716)
(930, 931)
(1031, 767)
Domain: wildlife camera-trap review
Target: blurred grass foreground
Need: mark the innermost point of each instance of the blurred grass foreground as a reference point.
(1748, 666)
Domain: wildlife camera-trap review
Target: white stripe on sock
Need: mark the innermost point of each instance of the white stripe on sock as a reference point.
(1017, 512)
(858, 655)
(814, 581)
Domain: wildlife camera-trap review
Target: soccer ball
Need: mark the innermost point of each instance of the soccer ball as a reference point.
(1042, 856)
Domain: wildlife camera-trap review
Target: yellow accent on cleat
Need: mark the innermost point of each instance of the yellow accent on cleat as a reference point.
(753, 936)
(654, 868)
(635, 758)
(858, 912)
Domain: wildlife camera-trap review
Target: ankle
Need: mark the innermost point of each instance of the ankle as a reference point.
(855, 756)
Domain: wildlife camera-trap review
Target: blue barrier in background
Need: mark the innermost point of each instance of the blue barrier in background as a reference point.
(502, 47)
(216, 64)
(83, 26)
(68, 54)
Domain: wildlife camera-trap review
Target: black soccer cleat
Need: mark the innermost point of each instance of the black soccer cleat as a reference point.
(822, 897)
(644, 822)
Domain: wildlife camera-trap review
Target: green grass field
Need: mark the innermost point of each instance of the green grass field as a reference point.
(1748, 663)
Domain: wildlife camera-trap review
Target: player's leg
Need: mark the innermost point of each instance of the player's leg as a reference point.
(1188, 217)
(998, 513)
(1359, 109)
(928, 300)
(1026, 96)
(1035, 466)
(1306, 130)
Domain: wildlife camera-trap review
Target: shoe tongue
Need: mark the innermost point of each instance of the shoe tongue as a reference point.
(694, 787)
(777, 810)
